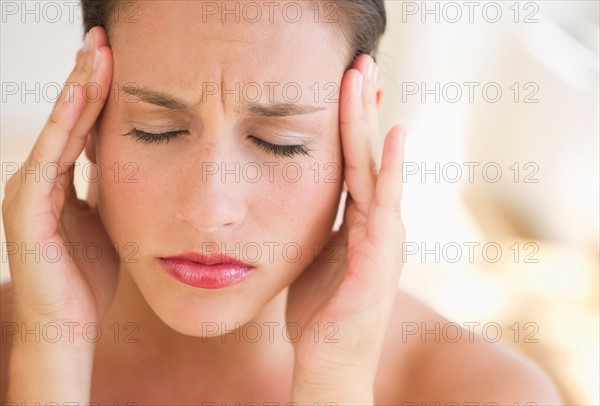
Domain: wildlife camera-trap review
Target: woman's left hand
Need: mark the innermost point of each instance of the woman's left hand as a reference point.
(342, 304)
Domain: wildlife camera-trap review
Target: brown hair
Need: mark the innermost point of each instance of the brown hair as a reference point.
(363, 22)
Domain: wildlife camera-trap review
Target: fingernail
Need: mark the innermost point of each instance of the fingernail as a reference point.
(370, 69)
(87, 43)
(376, 73)
(359, 84)
(97, 59)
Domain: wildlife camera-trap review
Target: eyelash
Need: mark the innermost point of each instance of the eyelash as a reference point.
(152, 138)
(287, 151)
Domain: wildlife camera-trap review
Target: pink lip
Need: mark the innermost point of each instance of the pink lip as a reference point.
(208, 272)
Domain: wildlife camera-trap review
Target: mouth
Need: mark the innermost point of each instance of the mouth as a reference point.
(216, 271)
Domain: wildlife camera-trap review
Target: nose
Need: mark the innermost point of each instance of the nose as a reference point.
(214, 197)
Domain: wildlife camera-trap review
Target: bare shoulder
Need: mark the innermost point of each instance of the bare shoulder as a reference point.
(6, 317)
(427, 360)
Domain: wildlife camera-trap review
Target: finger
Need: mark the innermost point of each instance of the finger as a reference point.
(384, 224)
(359, 165)
(367, 66)
(50, 145)
(97, 88)
(63, 193)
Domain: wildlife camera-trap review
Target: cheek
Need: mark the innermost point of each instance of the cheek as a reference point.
(128, 198)
(306, 196)
(301, 206)
(302, 202)
(121, 201)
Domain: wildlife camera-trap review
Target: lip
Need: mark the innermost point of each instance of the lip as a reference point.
(216, 271)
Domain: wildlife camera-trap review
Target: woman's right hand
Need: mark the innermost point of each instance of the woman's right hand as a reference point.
(63, 266)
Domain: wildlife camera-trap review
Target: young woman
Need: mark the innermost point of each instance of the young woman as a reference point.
(203, 267)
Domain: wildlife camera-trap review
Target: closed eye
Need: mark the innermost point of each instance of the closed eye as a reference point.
(154, 138)
(286, 151)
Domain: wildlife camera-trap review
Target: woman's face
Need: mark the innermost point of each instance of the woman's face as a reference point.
(227, 89)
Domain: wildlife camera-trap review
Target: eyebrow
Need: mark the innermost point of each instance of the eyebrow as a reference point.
(278, 109)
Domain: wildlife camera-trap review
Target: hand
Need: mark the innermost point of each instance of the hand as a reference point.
(59, 283)
(350, 298)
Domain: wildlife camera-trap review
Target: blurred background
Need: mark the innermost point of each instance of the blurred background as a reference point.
(501, 194)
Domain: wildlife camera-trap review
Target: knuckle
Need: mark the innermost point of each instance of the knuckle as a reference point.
(53, 122)
(351, 166)
(35, 156)
(55, 125)
(77, 68)
(85, 70)
(378, 201)
(373, 167)
(394, 206)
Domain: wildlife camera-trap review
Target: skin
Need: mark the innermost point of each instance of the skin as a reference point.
(165, 214)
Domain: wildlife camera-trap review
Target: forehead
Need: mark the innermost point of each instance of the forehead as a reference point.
(179, 45)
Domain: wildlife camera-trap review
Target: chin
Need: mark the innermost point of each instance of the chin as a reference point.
(199, 312)
(199, 321)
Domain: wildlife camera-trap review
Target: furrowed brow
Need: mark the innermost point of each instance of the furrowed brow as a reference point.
(273, 110)
(156, 98)
(280, 109)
